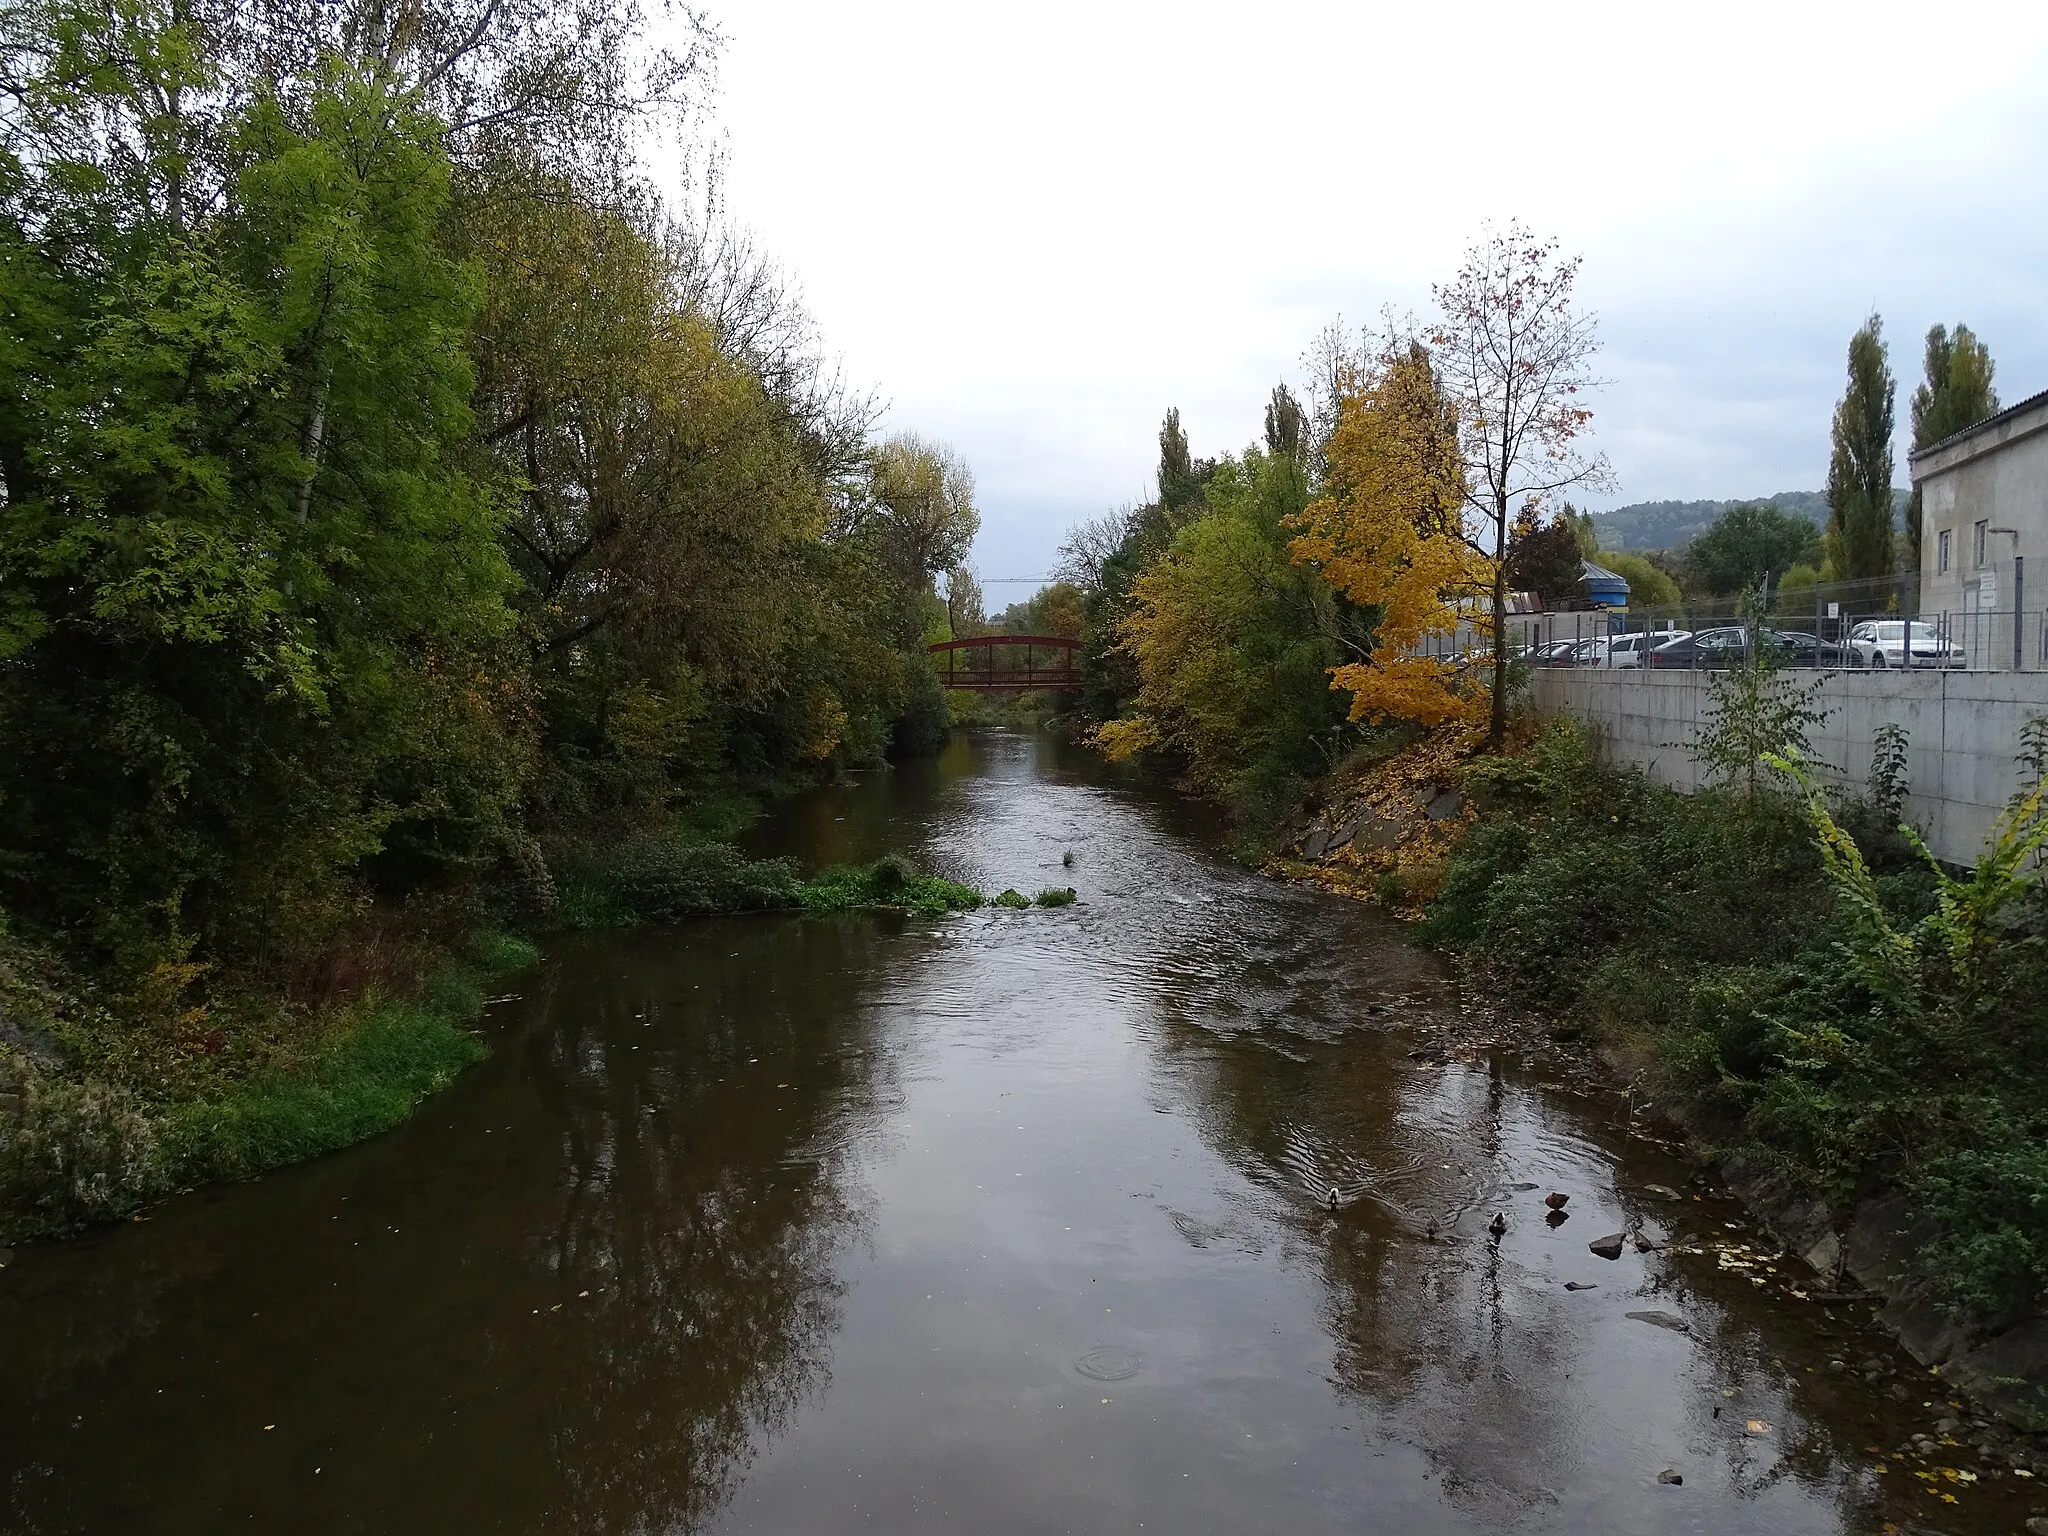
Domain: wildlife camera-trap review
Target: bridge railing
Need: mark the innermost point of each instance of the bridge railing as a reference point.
(1008, 663)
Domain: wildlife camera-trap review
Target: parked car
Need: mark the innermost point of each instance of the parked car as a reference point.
(1804, 650)
(1589, 653)
(1726, 647)
(1631, 650)
(1555, 653)
(1884, 643)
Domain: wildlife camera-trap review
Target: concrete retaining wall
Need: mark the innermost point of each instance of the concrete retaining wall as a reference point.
(1962, 728)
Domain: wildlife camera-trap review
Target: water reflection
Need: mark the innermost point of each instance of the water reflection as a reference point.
(575, 1296)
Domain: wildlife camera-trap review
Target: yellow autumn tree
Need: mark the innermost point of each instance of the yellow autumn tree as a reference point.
(1387, 533)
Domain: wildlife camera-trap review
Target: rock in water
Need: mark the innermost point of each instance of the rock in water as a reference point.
(1557, 1218)
(1670, 1477)
(1580, 1285)
(1556, 1201)
(1662, 1320)
(1499, 1225)
(1608, 1247)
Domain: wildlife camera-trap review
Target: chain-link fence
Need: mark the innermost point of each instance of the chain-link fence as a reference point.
(1841, 625)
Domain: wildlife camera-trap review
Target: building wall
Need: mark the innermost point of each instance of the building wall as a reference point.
(1962, 734)
(1998, 475)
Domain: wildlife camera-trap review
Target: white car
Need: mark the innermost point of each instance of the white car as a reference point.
(1629, 650)
(1883, 643)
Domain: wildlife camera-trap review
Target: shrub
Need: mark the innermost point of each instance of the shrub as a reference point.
(72, 1152)
(891, 882)
(1063, 896)
(662, 879)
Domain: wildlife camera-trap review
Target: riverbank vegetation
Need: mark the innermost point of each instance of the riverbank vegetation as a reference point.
(400, 499)
(1797, 976)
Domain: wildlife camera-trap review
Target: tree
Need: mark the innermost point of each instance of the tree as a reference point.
(1648, 587)
(1286, 425)
(1385, 534)
(1089, 546)
(1513, 355)
(1059, 609)
(1233, 643)
(1547, 561)
(1955, 396)
(254, 594)
(926, 492)
(1181, 474)
(1859, 533)
(964, 615)
(1581, 524)
(1747, 546)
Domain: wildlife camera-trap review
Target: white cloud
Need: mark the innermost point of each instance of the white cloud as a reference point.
(1034, 228)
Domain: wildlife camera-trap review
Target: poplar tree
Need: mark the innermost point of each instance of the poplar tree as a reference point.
(1859, 535)
(1956, 395)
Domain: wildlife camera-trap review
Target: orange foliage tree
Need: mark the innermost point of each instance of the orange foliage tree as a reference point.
(1388, 533)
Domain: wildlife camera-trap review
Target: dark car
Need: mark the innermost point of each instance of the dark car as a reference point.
(1558, 653)
(1727, 647)
(1800, 649)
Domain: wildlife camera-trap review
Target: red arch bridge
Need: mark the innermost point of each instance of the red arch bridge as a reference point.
(1009, 663)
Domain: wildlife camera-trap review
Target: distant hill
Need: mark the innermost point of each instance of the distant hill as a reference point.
(1672, 524)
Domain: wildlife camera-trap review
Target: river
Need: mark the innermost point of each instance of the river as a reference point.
(1007, 1222)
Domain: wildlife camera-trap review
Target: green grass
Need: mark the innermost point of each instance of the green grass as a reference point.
(92, 1143)
(1061, 896)
(368, 1080)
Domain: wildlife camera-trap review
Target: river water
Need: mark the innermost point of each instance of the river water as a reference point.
(1007, 1222)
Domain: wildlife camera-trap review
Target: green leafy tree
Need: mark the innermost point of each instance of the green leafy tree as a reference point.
(1181, 474)
(1955, 394)
(254, 595)
(1232, 643)
(1588, 537)
(1648, 586)
(1286, 425)
(1747, 546)
(1859, 532)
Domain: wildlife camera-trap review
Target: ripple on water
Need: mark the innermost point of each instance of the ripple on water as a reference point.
(1110, 1362)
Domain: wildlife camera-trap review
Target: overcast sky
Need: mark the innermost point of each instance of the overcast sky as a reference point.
(1032, 228)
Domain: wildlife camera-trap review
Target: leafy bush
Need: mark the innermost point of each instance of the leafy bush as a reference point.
(1014, 900)
(662, 879)
(72, 1152)
(890, 882)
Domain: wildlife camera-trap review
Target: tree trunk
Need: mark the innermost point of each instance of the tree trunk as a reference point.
(1497, 722)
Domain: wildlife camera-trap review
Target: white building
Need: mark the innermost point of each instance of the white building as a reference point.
(1984, 536)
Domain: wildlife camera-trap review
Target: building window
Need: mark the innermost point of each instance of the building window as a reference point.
(1941, 557)
(1983, 529)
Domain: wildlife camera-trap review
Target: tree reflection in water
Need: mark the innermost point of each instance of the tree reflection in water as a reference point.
(1466, 1348)
(578, 1294)
(711, 1185)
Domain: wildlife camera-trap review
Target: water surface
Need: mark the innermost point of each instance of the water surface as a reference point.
(1009, 1222)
